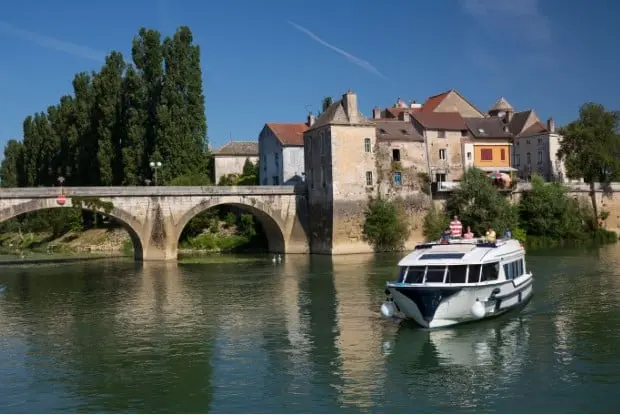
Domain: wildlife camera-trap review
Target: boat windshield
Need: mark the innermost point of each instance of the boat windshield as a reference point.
(450, 274)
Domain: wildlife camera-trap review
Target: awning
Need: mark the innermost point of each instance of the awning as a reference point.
(492, 169)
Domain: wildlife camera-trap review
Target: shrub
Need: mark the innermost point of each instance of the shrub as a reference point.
(435, 222)
(385, 227)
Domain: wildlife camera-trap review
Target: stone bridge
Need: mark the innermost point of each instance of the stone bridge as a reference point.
(155, 216)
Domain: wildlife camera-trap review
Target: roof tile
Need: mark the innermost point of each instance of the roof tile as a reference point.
(289, 134)
(238, 148)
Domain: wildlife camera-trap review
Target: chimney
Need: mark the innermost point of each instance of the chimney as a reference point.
(376, 113)
(508, 117)
(404, 116)
(310, 120)
(551, 125)
(349, 102)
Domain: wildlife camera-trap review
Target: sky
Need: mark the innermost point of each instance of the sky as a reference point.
(275, 60)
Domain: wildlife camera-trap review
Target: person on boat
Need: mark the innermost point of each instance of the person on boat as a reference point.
(490, 235)
(445, 236)
(456, 227)
(469, 234)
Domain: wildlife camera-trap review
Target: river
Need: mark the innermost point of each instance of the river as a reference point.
(301, 336)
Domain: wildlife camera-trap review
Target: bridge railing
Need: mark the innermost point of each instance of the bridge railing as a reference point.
(116, 191)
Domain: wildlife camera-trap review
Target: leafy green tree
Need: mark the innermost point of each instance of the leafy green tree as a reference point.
(12, 164)
(326, 103)
(480, 205)
(384, 225)
(547, 211)
(435, 222)
(589, 147)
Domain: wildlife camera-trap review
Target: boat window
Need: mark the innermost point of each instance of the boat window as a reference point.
(490, 272)
(403, 273)
(443, 255)
(474, 273)
(415, 275)
(456, 274)
(513, 269)
(435, 274)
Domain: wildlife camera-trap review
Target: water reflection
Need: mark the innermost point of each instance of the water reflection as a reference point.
(360, 331)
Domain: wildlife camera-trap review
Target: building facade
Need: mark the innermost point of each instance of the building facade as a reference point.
(231, 157)
(281, 151)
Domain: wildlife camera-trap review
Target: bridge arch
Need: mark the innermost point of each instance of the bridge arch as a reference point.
(121, 216)
(270, 221)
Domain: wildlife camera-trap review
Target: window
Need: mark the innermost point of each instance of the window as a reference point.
(502, 154)
(415, 275)
(517, 160)
(276, 158)
(464, 133)
(440, 177)
(456, 274)
(486, 154)
(540, 141)
(513, 269)
(527, 141)
(490, 271)
(469, 155)
(540, 157)
(323, 175)
(276, 181)
(442, 154)
(445, 255)
(395, 154)
(474, 273)
(528, 159)
(368, 178)
(441, 134)
(309, 144)
(367, 145)
(435, 273)
(397, 178)
(310, 178)
(322, 143)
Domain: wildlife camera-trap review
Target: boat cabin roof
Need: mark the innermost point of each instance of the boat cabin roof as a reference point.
(461, 252)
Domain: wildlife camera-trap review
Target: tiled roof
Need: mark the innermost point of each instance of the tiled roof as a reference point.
(395, 112)
(238, 148)
(433, 102)
(289, 134)
(397, 130)
(518, 121)
(534, 129)
(492, 127)
(440, 120)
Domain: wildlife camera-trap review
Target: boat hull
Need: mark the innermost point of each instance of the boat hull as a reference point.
(435, 306)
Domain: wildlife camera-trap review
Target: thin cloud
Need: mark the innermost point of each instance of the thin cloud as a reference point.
(521, 18)
(51, 43)
(359, 62)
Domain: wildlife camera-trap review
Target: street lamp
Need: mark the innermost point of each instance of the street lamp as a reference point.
(147, 181)
(155, 165)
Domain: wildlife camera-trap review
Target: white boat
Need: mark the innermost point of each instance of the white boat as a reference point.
(443, 284)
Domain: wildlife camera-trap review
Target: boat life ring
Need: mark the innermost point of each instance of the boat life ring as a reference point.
(61, 200)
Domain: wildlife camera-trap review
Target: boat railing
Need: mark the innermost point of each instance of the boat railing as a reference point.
(478, 242)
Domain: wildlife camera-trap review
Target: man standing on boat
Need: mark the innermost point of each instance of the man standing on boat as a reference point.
(456, 227)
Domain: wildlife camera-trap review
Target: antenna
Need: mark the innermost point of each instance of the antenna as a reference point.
(308, 107)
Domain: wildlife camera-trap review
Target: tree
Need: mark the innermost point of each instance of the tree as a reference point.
(547, 211)
(326, 103)
(384, 226)
(12, 164)
(479, 204)
(590, 147)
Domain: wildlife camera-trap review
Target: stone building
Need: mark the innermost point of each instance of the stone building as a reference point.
(230, 158)
(281, 149)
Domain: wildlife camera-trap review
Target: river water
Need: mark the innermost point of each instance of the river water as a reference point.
(301, 336)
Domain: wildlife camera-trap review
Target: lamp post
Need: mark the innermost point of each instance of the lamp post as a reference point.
(147, 182)
(155, 165)
(61, 197)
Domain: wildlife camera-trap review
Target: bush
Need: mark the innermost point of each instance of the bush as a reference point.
(385, 227)
(435, 222)
(480, 205)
